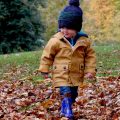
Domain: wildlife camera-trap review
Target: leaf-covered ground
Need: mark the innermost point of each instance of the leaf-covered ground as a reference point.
(28, 100)
(25, 96)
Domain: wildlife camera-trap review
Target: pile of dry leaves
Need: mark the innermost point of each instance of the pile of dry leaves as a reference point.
(25, 100)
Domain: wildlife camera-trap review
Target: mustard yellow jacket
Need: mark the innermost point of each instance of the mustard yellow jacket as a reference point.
(67, 63)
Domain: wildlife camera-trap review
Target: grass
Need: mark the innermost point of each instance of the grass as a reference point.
(20, 58)
(24, 64)
(108, 59)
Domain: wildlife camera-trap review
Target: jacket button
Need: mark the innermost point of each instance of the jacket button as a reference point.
(55, 67)
(82, 67)
(64, 68)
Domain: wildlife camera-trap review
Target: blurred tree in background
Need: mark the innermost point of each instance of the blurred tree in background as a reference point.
(117, 3)
(25, 23)
(21, 27)
(50, 16)
(101, 18)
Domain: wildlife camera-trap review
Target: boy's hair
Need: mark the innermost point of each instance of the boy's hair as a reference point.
(71, 16)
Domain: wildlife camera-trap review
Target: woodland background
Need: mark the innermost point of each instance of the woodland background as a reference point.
(101, 18)
(26, 25)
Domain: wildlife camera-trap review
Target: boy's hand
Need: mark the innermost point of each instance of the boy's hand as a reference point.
(45, 75)
(89, 76)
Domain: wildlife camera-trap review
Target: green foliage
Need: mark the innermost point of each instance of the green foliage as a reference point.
(117, 3)
(21, 27)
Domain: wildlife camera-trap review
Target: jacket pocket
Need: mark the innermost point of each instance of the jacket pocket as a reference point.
(76, 67)
(60, 73)
(60, 67)
(77, 73)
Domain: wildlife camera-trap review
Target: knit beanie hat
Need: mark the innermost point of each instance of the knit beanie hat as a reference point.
(71, 16)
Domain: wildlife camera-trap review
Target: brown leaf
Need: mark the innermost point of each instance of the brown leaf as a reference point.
(47, 103)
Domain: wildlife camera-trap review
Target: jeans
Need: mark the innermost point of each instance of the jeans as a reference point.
(67, 89)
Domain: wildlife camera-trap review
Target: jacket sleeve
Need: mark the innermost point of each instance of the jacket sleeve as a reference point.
(90, 60)
(48, 56)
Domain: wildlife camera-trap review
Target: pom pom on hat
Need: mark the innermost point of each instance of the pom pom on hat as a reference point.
(74, 2)
(71, 16)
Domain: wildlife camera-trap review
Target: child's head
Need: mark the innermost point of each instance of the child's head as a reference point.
(71, 16)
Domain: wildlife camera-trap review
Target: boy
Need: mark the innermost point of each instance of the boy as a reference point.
(70, 54)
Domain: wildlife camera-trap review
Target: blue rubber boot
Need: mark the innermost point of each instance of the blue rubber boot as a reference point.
(62, 111)
(68, 108)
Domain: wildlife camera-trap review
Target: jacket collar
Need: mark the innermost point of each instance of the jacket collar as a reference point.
(81, 40)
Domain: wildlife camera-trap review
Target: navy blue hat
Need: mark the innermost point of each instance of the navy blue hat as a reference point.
(71, 16)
